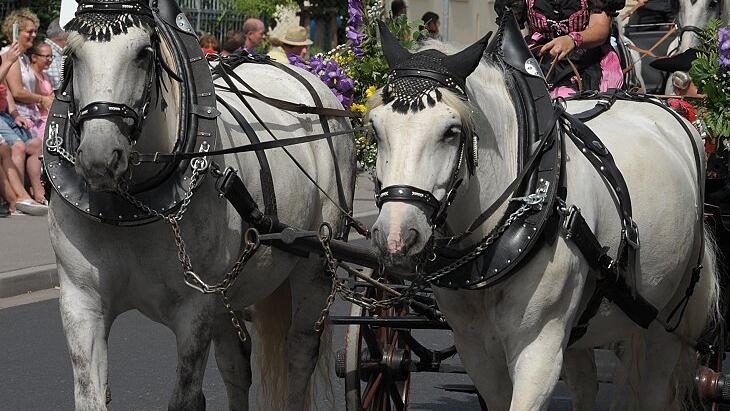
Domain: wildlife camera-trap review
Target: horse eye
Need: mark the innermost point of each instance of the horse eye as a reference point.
(145, 52)
(452, 132)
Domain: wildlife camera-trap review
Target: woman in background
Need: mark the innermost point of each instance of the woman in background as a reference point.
(574, 29)
(41, 57)
(23, 99)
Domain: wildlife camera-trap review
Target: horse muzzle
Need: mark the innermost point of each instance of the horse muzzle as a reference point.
(400, 235)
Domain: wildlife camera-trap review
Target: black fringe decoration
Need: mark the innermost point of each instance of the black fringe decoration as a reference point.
(102, 26)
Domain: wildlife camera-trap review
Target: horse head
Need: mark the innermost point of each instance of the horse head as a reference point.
(424, 131)
(111, 54)
(692, 16)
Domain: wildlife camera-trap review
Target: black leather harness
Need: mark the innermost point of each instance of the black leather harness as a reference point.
(541, 175)
(197, 127)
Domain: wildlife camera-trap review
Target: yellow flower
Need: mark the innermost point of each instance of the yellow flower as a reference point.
(358, 108)
(370, 91)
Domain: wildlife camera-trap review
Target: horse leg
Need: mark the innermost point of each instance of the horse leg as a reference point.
(310, 287)
(535, 349)
(86, 325)
(192, 325)
(233, 357)
(479, 349)
(579, 371)
(484, 360)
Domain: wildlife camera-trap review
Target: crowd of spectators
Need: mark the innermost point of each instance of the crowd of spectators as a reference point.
(29, 72)
(250, 39)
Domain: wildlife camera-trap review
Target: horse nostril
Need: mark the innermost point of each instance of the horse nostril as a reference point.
(410, 239)
(114, 159)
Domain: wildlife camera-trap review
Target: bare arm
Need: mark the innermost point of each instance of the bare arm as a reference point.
(13, 111)
(7, 59)
(15, 85)
(599, 27)
(595, 34)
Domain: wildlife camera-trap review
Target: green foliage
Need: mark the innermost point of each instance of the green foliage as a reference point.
(713, 81)
(371, 71)
(258, 8)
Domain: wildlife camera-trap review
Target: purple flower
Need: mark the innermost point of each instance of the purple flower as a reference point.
(723, 46)
(331, 74)
(354, 22)
(355, 15)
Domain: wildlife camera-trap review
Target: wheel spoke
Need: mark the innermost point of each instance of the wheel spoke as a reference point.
(372, 343)
(395, 395)
(371, 389)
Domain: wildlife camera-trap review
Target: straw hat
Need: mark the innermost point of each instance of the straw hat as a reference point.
(295, 36)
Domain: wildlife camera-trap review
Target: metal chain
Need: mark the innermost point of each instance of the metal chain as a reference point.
(54, 144)
(422, 282)
(193, 280)
(234, 318)
(330, 266)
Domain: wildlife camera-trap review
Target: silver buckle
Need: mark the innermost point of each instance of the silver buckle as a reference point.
(631, 234)
(568, 215)
(536, 199)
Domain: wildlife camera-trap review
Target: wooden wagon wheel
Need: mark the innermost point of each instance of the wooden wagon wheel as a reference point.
(375, 362)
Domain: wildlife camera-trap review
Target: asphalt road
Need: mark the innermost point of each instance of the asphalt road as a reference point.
(36, 371)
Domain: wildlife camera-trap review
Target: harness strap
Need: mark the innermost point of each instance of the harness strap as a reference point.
(236, 60)
(609, 278)
(326, 128)
(346, 213)
(517, 182)
(610, 281)
(136, 158)
(598, 155)
(288, 105)
(267, 179)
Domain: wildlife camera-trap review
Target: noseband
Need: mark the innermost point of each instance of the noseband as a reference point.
(111, 110)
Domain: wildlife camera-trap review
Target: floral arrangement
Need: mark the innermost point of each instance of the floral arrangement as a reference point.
(710, 72)
(354, 71)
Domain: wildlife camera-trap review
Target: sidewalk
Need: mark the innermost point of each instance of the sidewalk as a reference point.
(27, 262)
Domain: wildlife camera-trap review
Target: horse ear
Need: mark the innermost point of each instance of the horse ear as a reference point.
(394, 52)
(463, 63)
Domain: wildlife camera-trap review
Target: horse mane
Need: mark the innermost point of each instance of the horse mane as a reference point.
(74, 42)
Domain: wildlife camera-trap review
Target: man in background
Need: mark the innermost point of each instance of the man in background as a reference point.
(295, 42)
(56, 38)
(253, 32)
(398, 7)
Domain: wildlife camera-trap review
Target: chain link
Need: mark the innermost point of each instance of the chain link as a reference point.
(54, 144)
(422, 282)
(192, 279)
(330, 266)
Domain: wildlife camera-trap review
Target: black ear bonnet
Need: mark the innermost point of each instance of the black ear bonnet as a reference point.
(414, 78)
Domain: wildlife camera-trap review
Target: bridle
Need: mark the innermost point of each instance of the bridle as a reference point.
(713, 4)
(467, 151)
(112, 110)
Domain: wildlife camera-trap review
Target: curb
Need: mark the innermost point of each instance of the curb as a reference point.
(21, 281)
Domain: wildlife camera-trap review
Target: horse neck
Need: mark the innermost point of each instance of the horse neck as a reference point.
(495, 122)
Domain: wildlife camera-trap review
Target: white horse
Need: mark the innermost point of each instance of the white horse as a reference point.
(692, 15)
(106, 270)
(512, 337)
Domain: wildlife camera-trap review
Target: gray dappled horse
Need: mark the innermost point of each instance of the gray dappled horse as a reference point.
(106, 270)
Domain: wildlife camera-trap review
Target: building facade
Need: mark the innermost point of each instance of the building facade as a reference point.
(462, 21)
